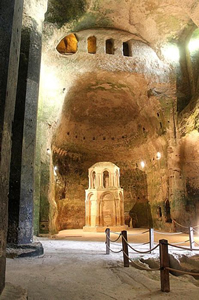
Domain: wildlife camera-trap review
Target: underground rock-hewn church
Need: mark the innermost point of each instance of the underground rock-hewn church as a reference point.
(99, 120)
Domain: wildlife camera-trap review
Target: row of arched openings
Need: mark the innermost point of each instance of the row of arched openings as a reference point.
(105, 179)
(69, 45)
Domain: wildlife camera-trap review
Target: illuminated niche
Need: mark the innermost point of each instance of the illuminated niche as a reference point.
(68, 44)
(92, 42)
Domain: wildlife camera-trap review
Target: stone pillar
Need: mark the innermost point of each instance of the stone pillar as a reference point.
(87, 211)
(97, 219)
(100, 180)
(10, 36)
(122, 211)
(89, 182)
(25, 234)
(22, 185)
(118, 212)
(100, 212)
(112, 179)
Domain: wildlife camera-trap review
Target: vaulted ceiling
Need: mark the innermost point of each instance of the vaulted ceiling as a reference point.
(156, 21)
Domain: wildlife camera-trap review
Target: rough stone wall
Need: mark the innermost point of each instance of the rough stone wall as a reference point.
(123, 113)
(10, 36)
(185, 203)
(97, 107)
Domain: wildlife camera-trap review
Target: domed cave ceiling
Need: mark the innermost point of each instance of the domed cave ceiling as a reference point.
(154, 20)
(114, 111)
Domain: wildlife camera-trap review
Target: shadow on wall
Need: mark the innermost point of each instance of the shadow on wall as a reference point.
(137, 206)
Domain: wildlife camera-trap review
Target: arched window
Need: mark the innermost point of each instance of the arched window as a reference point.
(68, 45)
(93, 179)
(126, 50)
(109, 46)
(92, 44)
(105, 179)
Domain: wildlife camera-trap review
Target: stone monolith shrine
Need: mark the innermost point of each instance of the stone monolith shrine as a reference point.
(104, 200)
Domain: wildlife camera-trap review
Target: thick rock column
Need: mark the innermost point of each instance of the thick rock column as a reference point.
(22, 178)
(10, 36)
(29, 140)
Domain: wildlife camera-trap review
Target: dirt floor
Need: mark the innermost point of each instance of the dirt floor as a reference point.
(75, 266)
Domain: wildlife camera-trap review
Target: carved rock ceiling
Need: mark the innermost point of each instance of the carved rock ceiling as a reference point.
(156, 21)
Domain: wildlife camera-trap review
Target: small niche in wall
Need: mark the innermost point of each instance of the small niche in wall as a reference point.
(159, 212)
(105, 179)
(110, 46)
(92, 44)
(68, 44)
(126, 50)
(168, 211)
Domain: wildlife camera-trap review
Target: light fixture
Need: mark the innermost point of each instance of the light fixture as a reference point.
(158, 155)
(55, 169)
(142, 164)
(171, 52)
(193, 45)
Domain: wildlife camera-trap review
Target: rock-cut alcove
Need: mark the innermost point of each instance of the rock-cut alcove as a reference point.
(106, 118)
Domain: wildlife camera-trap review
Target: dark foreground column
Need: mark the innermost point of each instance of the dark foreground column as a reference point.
(21, 198)
(25, 234)
(10, 36)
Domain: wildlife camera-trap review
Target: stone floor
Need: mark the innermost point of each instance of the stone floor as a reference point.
(13, 292)
(75, 267)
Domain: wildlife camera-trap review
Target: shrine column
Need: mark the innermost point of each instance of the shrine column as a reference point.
(97, 221)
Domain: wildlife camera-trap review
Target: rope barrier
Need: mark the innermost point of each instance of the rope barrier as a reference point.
(137, 234)
(145, 231)
(183, 248)
(163, 252)
(114, 240)
(143, 268)
(168, 233)
(142, 252)
(118, 233)
(184, 226)
(182, 272)
(180, 224)
(180, 243)
(113, 250)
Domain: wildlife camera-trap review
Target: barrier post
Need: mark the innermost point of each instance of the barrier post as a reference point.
(191, 238)
(151, 238)
(107, 231)
(164, 262)
(125, 248)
